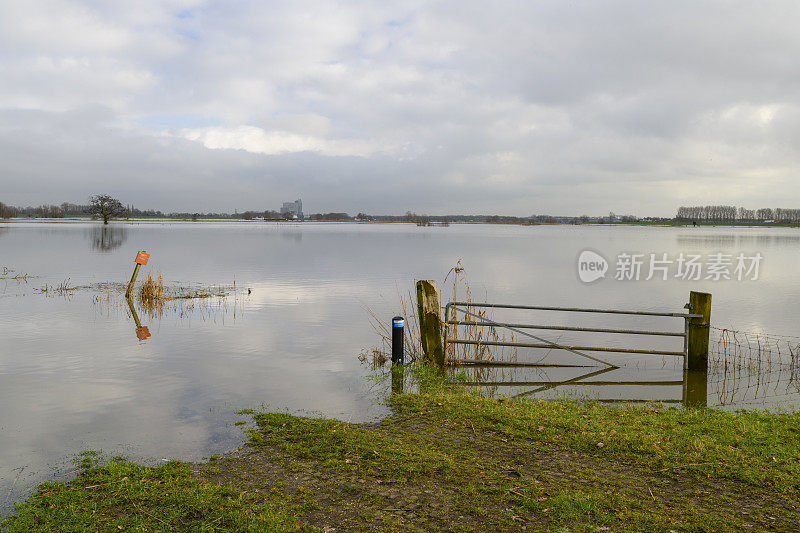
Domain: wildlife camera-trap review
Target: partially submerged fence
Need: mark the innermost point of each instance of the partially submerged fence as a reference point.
(729, 357)
(435, 341)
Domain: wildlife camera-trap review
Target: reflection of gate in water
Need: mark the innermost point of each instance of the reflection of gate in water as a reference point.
(691, 390)
(693, 386)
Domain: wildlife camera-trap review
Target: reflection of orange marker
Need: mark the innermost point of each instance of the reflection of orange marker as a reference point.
(142, 332)
(142, 258)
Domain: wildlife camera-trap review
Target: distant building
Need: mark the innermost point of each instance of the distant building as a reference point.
(294, 208)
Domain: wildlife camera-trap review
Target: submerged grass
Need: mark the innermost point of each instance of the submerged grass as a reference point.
(450, 460)
(155, 298)
(152, 292)
(8, 273)
(62, 289)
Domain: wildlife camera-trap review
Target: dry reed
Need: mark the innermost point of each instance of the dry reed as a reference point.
(151, 292)
(454, 352)
(474, 332)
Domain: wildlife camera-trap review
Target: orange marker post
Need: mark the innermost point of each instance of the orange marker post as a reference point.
(141, 259)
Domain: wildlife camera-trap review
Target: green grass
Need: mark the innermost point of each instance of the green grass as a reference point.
(125, 496)
(754, 447)
(450, 460)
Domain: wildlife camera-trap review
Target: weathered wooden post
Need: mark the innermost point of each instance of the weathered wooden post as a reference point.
(430, 323)
(698, 331)
(695, 388)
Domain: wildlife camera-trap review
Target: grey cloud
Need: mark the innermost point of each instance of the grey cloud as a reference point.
(556, 107)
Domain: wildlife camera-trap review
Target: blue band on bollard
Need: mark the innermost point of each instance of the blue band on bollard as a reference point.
(398, 323)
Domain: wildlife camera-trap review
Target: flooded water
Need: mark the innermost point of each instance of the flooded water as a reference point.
(74, 375)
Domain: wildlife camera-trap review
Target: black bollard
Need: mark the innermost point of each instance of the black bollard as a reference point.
(398, 329)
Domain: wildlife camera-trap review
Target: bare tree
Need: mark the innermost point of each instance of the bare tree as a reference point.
(105, 206)
(730, 213)
(50, 211)
(764, 213)
(7, 211)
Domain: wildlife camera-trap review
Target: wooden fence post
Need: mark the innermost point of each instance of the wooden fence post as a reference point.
(430, 323)
(698, 331)
(695, 388)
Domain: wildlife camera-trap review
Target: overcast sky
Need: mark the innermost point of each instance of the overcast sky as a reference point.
(515, 108)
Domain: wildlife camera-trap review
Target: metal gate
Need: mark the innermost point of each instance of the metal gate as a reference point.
(477, 320)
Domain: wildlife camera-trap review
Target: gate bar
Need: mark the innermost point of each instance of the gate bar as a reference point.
(568, 328)
(551, 344)
(540, 383)
(574, 309)
(568, 348)
(488, 362)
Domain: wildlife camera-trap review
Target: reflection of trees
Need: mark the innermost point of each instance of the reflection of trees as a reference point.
(292, 235)
(107, 238)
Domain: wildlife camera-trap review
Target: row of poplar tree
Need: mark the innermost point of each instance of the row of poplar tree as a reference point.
(730, 213)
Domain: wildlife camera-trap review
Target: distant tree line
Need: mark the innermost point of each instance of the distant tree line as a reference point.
(731, 213)
(7, 211)
(48, 211)
(330, 217)
(67, 209)
(411, 216)
(274, 215)
(266, 215)
(130, 211)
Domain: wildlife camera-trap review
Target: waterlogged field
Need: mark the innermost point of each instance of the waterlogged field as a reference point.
(284, 313)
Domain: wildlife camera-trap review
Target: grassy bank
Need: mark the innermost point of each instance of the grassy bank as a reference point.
(453, 461)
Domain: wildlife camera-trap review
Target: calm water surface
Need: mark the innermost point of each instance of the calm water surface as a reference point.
(74, 376)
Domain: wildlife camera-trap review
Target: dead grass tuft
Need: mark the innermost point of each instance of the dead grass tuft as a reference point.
(454, 352)
(151, 293)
